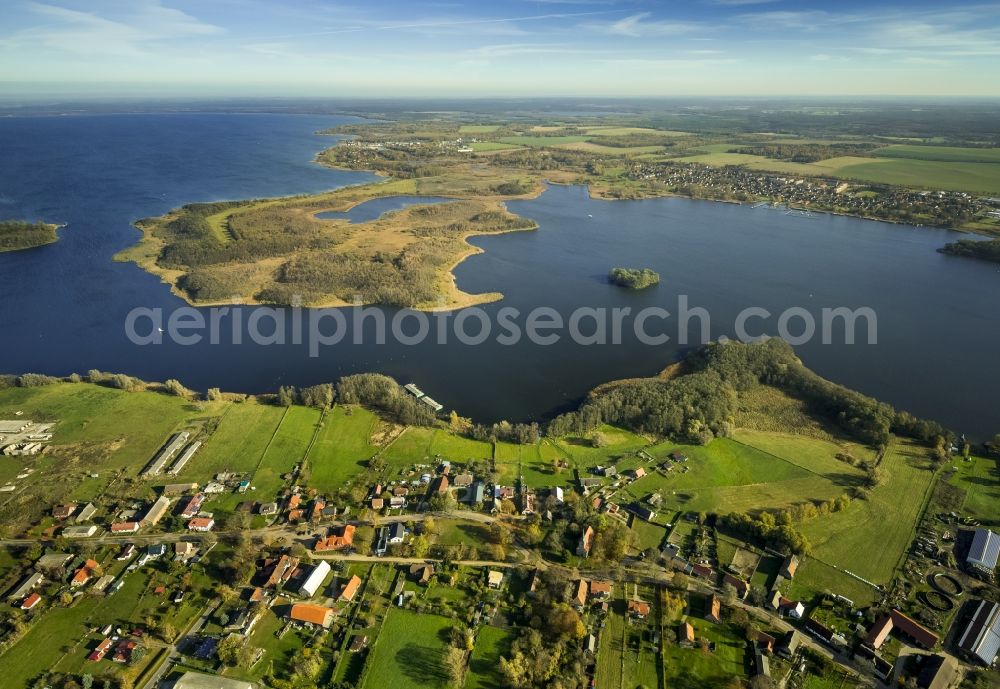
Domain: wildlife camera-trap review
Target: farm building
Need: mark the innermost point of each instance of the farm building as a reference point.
(311, 614)
(315, 579)
(936, 672)
(906, 626)
(156, 512)
(713, 610)
(685, 634)
(475, 494)
(981, 637)
(788, 645)
(86, 513)
(984, 551)
(27, 585)
(161, 458)
(124, 527)
(184, 458)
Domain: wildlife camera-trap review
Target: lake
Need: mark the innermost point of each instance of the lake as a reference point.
(63, 306)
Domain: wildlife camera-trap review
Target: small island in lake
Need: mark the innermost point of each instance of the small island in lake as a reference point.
(21, 234)
(988, 250)
(634, 278)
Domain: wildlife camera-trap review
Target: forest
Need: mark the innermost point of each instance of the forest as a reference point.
(806, 153)
(988, 250)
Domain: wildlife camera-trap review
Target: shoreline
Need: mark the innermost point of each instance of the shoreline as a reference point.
(455, 298)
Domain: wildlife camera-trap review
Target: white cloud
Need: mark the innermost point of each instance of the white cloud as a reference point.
(640, 24)
(67, 30)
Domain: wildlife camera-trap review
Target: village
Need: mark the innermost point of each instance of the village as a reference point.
(448, 539)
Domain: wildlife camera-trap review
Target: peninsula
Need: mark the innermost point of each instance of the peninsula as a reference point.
(276, 250)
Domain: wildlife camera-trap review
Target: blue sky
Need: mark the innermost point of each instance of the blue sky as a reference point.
(521, 48)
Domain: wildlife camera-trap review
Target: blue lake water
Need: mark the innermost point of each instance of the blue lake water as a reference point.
(62, 307)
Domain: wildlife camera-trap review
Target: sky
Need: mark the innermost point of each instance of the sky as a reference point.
(411, 48)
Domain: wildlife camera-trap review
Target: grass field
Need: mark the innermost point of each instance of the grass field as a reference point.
(980, 479)
(813, 454)
(719, 475)
(238, 443)
(484, 664)
(408, 652)
(585, 456)
(871, 535)
(478, 128)
(412, 447)
(691, 668)
(815, 577)
(287, 448)
(458, 449)
(99, 430)
(342, 447)
(536, 462)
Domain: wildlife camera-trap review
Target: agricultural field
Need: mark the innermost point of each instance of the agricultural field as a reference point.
(594, 147)
(942, 153)
(408, 652)
(478, 128)
(871, 535)
(540, 141)
(342, 447)
(626, 131)
(491, 146)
